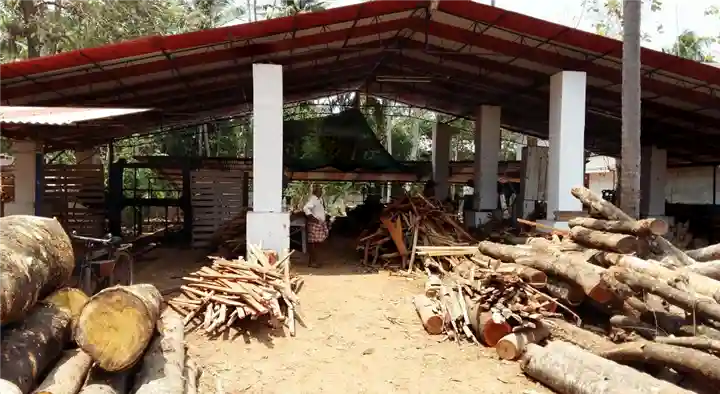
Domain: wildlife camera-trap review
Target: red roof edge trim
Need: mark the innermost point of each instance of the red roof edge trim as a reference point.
(146, 45)
(578, 38)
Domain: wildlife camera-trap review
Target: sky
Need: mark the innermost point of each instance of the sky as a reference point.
(675, 16)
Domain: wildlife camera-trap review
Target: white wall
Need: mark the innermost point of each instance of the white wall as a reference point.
(684, 185)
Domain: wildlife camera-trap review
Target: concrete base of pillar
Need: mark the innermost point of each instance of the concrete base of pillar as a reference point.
(269, 229)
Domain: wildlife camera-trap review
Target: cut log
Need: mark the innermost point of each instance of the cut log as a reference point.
(116, 325)
(7, 387)
(569, 369)
(632, 324)
(28, 349)
(163, 365)
(36, 258)
(533, 277)
(192, 375)
(679, 358)
(513, 345)
(431, 319)
(487, 330)
(683, 299)
(690, 281)
(69, 374)
(711, 252)
(103, 382)
(711, 269)
(568, 293)
(621, 243)
(578, 336)
(571, 265)
(72, 300)
(699, 343)
(610, 211)
(641, 227)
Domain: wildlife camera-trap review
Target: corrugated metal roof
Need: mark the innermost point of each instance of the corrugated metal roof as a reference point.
(60, 115)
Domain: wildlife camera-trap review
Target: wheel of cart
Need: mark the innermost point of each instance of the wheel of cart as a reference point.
(105, 262)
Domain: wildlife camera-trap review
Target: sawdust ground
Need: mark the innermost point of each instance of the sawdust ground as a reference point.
(363, 337)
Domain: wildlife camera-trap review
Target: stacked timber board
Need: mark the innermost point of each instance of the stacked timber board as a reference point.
(75, 194)
(217, 196)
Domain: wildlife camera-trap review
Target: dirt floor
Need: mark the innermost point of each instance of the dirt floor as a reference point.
(363, 337)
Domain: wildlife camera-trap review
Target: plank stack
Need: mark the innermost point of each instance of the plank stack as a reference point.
(219, 296)
(649, 304)
(406, 225)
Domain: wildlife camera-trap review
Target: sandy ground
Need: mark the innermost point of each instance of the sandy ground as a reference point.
(363, 337)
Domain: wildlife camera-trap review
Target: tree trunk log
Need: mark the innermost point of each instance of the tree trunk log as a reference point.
(699, 343)
(645, 330)
(710, 252)
(569, 369)
(571, 266)
(36, 258)
(610, 211)
(431, 319)
(513, 345)
(69, 374)
(8, 387)
(620, 243)
(532, 276)
(116, 325)
(711, 269)
(578, 336)
(571, 294)
(641, 227)
(30, 347)
(485, 328)
(696, 283)
(103, 382)
(683, 299)
(71, 300)
(679, 358)
(164, 362)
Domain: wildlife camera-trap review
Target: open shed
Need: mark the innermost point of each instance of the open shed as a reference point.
(460, 58)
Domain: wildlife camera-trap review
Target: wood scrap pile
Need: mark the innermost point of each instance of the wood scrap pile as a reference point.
(406, 225)
(222, 295)
(649, 305)
(58, 340)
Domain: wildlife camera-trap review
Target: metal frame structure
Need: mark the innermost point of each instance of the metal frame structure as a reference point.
(450, 57)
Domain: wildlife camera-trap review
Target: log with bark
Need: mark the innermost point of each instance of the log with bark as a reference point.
(72, 300)
(116, 325)
(679, 358)
(104, 382)
(578, 336)
(711, 269)
(711, 252)
(430, 314)
(513, 345)
(569, 369)
(36, 258)
(643, 227)
(68, 375)
(8, 387)
(699, 343)
(570, 294)
(621, 243)
(611, 212)
(163, 364)
(28, 348)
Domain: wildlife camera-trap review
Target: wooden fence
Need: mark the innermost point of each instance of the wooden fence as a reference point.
(75, 195)
(217, 196)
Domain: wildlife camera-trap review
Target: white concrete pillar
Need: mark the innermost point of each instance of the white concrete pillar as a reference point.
(441, 159)
(653, 178)
(487, 154)
(267, 224)
(25, 172)
(90, 156)
(567, 141)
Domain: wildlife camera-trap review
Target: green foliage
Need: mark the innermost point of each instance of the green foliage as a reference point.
(691, 46)
(608, 19)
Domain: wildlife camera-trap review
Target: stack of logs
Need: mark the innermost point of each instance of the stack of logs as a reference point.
(219, 296)
(405, 226)
(659, 306)
(58, 340)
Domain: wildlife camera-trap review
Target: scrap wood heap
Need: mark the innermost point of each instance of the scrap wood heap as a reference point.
(651, 305)
(406, 225)
(218, 296)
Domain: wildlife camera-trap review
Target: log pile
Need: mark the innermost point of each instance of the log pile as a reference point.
(222, 295)
(649, 305)
(406, 226)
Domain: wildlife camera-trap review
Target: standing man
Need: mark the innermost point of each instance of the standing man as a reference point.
(317, 229)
